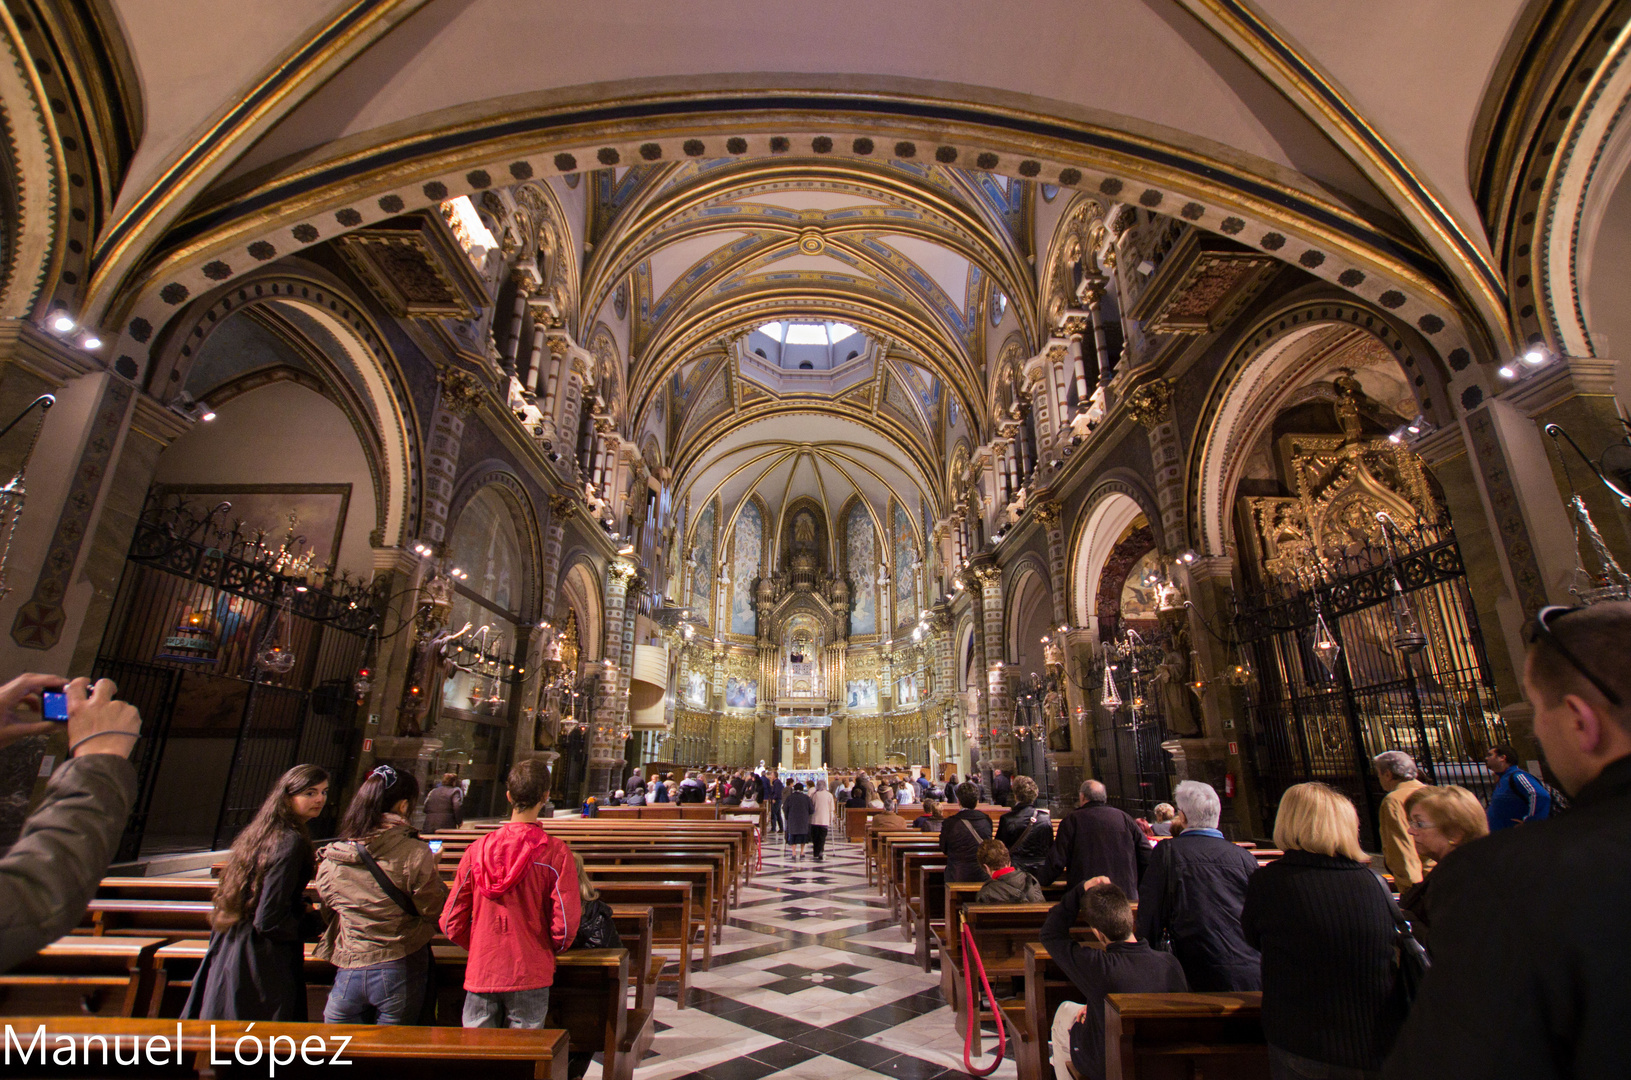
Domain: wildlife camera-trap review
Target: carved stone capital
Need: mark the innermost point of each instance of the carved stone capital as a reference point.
(559, 345)
(461, 392)
(1075, 323)
(1055, 351)
(1046, 511)
(989, 575)
(562, 508)
(1151, 404)
(622, 570)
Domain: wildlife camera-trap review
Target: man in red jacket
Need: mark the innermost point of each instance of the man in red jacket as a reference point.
(514, 906)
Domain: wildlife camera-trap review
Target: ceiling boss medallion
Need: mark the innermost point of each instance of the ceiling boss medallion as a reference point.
(811, 242)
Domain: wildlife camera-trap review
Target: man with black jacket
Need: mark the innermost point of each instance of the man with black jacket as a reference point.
(1194, 889)
(1124, 965)
(1530, 935)
(1002, 789)
(961, 835)
(1012, 825)
(1098, 839)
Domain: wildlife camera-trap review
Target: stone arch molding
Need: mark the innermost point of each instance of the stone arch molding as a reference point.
(1112, 506)
(317, 294)
(579, 576)
(296, 211)
(1015, 578)
(496, 474)
(1260, 375)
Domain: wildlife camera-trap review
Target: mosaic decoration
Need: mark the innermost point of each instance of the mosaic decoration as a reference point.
(905, 567)
(702, 563)
(40, 620)
(862, 549)
(744, 568)
(862, 694)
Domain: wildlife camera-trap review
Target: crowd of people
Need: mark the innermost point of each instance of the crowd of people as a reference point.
(1522, 914)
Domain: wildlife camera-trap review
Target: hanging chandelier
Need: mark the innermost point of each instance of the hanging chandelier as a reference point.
(1407, 636)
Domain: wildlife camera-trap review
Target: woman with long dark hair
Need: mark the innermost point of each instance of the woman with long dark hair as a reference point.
(254, 968)
(382, 895)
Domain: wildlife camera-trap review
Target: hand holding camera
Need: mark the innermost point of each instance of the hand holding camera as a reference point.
(97, 724)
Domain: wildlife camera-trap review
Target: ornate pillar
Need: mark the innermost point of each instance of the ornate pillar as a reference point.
(1151, 406)
(512, 345)
(559, 344)
(461, 395)
(1101, 342)
(999, 709)
(1048, 516)
(561, 510)
(603, 748)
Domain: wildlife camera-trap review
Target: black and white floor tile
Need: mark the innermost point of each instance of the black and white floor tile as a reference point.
(813, 981)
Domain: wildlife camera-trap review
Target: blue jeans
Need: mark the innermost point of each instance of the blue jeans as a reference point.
(388, 993)
(776, 815)
(514, 1008)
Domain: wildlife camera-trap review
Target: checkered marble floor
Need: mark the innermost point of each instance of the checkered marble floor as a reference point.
(812, 981)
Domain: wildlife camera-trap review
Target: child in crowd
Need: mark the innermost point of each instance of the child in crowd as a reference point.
(513, 907)
(595, 927)
(1123, 965)
(1007, 885)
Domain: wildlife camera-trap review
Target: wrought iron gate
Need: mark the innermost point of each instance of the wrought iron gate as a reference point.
(1130, 725)
(198, 599)
(1325, 719)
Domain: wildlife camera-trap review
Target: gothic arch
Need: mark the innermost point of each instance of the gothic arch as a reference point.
(582, 593)
(1262, 371)
(1112, 506)
(1026, 583)
(321, 296)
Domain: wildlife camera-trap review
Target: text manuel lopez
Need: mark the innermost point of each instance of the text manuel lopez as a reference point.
(245, 1049)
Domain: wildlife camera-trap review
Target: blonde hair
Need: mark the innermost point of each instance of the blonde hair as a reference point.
(1455, 810)
(1320, 819)
(587, 893)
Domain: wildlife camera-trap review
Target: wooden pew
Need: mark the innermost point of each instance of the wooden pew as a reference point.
(672, 925)
(703, 912)
(83, 976)
(172, 919)
(1180, 1036)
(387, 1053)
(928, 911)
(1046, 988)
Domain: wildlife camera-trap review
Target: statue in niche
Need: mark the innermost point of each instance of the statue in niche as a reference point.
(1172, 676)
(804, 530)
(432, 666)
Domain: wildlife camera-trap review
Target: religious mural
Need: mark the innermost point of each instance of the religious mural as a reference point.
(863, 694)
(696, 689)
(702, 563)
(862, 552)
(905, 567)
(1138, 593)
(745, 567)
(741, 693)
(906, 692)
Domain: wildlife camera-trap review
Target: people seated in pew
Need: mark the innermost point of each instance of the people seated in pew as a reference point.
(1097, 839)
(1193, 891)
(692, 789)
(51, 871)
(444, 806)
(255, 966)
(930, 820)
(889, 820)
(1530, 937)
(822, 809)
(381, 894)
(1440, 819)
(596, 929)
(1165, 814)
(1124, 965)
(1014, 824)
(1007, 885)
(1323, 922)
(513, 908)
(961, 836)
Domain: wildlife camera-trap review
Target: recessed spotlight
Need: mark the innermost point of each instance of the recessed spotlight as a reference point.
(1508, 372)
(1395, 438)
(208, 415)
(93, 343)
(62, 324)
(1534, 357)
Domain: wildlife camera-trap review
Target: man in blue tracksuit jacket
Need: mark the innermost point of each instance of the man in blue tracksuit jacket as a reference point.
(1518, 796)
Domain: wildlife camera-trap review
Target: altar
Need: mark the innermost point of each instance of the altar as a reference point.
(801, 749)
(807, 776)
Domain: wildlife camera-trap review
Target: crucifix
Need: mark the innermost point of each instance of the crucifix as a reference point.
(802, 740)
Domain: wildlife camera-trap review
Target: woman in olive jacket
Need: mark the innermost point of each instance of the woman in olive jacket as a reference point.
(382, 894)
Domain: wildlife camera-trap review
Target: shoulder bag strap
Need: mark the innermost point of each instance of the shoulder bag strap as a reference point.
(401, 899)
(964, 823)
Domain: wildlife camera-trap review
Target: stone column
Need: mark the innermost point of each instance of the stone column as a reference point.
(512, 345)
(535, 356)
(610, 705)
(559, 345)
(1048, 516)
(461, 395)
(999, 708)
(1223, 705)
(1151, 406)
(561, 510)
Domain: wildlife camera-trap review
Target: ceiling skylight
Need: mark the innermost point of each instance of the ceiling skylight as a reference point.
(807, 333)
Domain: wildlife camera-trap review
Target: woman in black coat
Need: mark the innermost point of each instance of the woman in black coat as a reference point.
(1324, 924)
(254, 968)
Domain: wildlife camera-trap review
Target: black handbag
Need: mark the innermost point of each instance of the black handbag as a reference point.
(427, 1008)
(1169, 901)
(1411, 962)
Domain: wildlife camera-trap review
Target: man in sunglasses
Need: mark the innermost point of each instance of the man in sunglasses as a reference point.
(1518, 797)
(1529, 974)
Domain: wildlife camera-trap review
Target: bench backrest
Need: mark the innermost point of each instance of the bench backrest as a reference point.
(1157, 1036)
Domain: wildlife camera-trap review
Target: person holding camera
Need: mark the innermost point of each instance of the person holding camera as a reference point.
(51, 872)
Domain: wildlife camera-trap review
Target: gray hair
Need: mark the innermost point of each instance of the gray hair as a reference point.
(1198, 803)
(1397, 762)
(821, 785)
(1093, 792)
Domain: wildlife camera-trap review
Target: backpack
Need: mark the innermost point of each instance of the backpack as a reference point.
(595, 928)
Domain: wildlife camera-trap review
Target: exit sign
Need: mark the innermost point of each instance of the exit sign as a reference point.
(368, 744)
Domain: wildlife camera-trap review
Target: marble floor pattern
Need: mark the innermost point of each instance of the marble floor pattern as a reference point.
(813, 980)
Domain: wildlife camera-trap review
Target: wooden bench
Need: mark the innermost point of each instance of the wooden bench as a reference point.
(388, 1053)
(1046, 988)
(672, 925)
(1181, 1036)
(83, 976)
(171, 919)
(927, 910)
